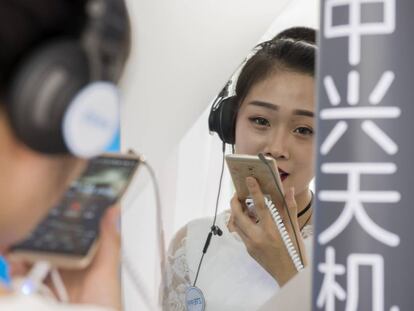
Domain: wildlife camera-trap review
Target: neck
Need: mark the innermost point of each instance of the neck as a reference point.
(302, 201)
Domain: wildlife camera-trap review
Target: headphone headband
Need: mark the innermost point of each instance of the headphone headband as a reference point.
(223, 112)
(104, 38)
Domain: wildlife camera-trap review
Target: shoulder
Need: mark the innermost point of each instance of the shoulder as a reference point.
(195, 231)
(201, 226)
(188, 230)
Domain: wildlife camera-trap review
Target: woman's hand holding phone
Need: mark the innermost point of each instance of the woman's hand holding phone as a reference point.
(262, 239)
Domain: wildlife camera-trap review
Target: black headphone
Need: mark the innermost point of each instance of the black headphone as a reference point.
(63, 98)
(223, 112)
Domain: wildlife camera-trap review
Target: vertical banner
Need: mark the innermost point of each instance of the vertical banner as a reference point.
(364, 240)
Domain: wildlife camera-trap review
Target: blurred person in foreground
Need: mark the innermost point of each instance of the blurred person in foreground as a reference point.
(52, 50)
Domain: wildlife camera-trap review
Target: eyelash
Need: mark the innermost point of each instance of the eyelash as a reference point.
(309, 131)
(256, 121)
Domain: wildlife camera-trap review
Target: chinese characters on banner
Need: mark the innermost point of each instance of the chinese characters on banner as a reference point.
(365, 170)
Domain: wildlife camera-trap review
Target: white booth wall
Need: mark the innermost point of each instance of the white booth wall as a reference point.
(183, 52)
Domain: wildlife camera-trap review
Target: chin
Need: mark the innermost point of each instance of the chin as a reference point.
(11, 237)
(20, 232)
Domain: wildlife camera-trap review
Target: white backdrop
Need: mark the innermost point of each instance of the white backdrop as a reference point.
(183, 53)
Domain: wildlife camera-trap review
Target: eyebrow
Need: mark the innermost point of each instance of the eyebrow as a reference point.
(305, 113)
(264, 105)
(298, 112)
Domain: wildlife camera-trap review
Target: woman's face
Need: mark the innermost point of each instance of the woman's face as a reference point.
(277, 118)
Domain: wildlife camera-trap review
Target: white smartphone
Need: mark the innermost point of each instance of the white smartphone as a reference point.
(68, 236)
(241, 166)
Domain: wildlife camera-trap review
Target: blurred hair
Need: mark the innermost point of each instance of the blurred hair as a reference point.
(27, 24)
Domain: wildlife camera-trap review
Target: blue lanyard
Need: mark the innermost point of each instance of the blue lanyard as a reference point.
(4, 272)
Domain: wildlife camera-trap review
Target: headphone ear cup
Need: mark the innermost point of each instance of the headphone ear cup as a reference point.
(41, 91)
(222, 120)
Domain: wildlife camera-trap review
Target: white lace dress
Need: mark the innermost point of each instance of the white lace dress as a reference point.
(229, 278)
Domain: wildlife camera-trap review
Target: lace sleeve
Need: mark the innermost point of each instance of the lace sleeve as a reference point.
(177, 274)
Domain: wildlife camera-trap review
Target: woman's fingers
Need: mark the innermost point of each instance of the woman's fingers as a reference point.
(108, 254)
(258, 198)
(292, 207)
(291, 202)
(18, 268)
(240, 219)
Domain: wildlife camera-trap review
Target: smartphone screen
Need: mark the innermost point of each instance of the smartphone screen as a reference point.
(72, 226)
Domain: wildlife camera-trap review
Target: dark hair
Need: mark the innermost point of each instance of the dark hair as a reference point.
(27, 24)
(291, 50)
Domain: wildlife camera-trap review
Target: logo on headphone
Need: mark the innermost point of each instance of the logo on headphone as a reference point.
(92, 119)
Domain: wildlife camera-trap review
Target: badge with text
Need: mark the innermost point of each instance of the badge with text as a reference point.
(194, 299)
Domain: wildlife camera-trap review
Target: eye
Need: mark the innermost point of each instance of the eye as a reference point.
(262, 122)
(303, 131)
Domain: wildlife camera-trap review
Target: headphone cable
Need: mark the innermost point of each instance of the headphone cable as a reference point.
(214, 228)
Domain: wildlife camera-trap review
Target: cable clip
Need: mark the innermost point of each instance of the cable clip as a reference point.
(216, 230)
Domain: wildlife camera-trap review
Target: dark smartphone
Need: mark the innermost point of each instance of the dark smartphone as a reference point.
(68, 236)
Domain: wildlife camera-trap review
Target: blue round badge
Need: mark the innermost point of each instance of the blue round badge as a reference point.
(194, 299)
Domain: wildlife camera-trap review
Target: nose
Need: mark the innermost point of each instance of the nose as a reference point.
(277, 146)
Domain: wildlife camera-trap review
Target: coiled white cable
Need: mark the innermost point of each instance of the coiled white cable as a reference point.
(282, 230)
